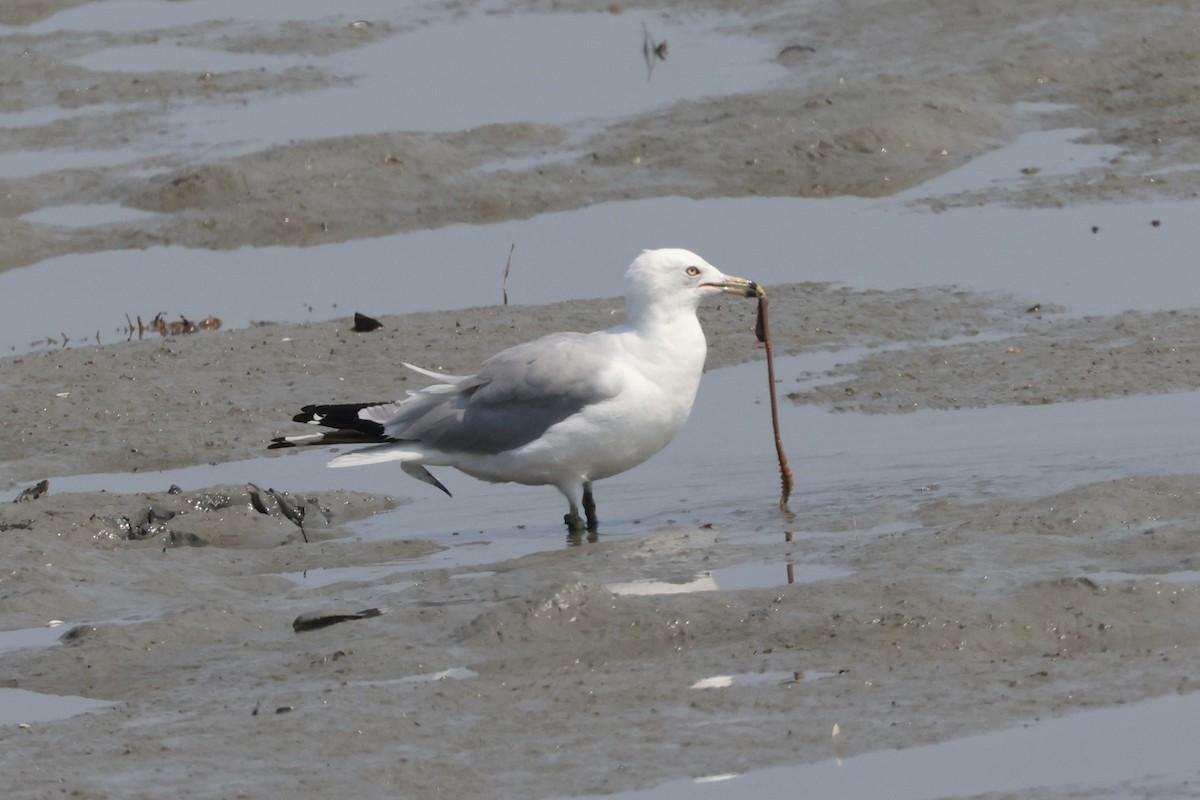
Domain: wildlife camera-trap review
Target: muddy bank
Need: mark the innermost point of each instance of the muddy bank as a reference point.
(550, 680)
(1054, 361)
(80, 534)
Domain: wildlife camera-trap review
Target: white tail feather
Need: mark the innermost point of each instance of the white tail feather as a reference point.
(440, 376)
(374, 455)
(304, 438)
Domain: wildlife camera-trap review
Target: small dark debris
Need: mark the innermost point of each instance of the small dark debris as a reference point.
(1095, 229)
(20, 525)
(1033, 309)
(365, 324)
(507, 267)
(652, 51)
(795, 51)
(283, 710)
(33, 492)
(175, 489)
(312, 620)
(258, 502)
(77, 634)
(159, 514)
(1155, 223)
(181, 327)
(153, 530)
(295, 513)
(181, 539)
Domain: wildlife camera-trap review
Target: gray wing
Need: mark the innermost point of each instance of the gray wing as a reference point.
(514, 397)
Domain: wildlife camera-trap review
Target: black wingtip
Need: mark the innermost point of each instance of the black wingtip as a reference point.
(346, 416)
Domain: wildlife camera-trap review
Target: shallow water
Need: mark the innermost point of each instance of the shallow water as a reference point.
(840, 461)
(1060, 152)
(83, 216)
(19, 706)
(44, 636)
(538, 68)
(1129, 264)
(734, 578)
(758, 678)
(1151, 739)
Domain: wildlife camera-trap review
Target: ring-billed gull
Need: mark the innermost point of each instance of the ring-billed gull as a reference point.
(564, 410)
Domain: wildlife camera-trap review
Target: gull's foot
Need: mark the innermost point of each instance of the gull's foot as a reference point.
(576, 524)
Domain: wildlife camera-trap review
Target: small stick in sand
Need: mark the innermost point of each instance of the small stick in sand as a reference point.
(763, 332)
(507, 265)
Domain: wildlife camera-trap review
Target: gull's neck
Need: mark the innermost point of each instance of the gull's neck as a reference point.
(670, 335)
(658, 313)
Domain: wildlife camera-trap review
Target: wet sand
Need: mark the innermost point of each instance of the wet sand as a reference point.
(503, 662)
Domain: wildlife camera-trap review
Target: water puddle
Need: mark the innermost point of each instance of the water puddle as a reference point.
(127, 16)
(525, 163)
(42, 636)
(454, 673)
(1183, 576)
(454, 557)
(44, 115)
(843, 460)
(735, 578)
(321, 577)
(22, 707)
(83, 216)
(778, 678)
(1154, 738)
(167, 56)
(1041, 153)
(451, 674)
(26, 163)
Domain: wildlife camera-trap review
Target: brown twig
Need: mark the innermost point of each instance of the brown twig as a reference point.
(507, 265)
(763, 331)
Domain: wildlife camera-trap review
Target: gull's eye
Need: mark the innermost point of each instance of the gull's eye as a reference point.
(692, 271)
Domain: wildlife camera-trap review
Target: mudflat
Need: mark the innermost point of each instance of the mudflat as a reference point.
(883, 614)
